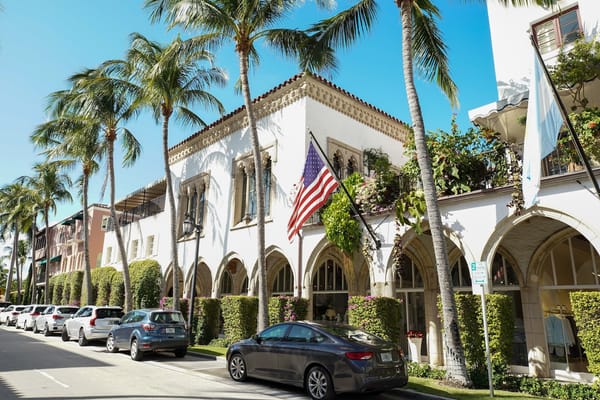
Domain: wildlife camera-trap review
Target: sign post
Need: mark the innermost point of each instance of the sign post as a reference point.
(479, 279)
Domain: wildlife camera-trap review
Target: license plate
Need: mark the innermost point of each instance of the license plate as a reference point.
(386, 357)
(170, 330)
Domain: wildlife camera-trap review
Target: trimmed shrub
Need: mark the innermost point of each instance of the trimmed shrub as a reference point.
(287, 308)
(377, 315)
(75, 282)
(239, 317)
(117, 290)
(145, 283)
(586, 311)
(206, 319)
(58, 283)
(104, 277)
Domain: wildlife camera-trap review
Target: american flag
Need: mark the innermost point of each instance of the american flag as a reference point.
(315, 186)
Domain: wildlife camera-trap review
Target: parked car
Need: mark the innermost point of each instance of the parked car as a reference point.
(91, 323)
(325, 358)
(53, 318)
(28, 315)
(9, 315)
(4, 304)
(140, 331)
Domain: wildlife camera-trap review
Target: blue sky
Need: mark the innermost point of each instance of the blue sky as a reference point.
(43, 42)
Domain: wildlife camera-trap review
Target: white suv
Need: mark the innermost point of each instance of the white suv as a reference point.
(91, 323)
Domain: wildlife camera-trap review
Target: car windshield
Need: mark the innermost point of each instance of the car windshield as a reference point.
(166, 317)
(354, 334)
(109, 313)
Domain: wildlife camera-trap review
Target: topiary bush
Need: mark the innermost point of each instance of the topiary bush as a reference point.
(239, 317)
(58, 282)
(146, 278)
(75, 282)
(287, 308)
(117, 290)
(207, 319)
(104, 278)
(377, 315)
(586, 312)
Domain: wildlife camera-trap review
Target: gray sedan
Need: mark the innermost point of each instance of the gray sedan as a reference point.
(324, 358)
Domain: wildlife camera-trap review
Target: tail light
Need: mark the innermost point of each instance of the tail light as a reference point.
(15, 313)
(148, 327)
(35, 314)
(401, 352)
(57, 317)
(359, 355)
(93, 321)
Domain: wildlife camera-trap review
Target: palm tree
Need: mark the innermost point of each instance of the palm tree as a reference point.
(16, 216)
(245, 23)
(422, 44)
(105, 101)
(171, 80)
(77, 138)
(51, 185)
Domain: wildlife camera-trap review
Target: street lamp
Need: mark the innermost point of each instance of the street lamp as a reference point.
(188, 226)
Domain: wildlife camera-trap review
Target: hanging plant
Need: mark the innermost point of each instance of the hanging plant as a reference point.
(341, 226)
(410, 209)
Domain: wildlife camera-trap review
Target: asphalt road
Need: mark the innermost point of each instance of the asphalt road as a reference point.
(35, 367)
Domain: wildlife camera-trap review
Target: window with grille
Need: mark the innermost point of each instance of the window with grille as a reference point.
(192, 201)
(245, 200)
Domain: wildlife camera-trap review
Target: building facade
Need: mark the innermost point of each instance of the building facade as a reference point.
(536, 256)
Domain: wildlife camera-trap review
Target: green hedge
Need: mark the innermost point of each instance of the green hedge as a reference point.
(239, 317)
(58, 283)
(75, 279)
(102, 279)
(145, 283)
(377, 315)
(287, 308)
(586, 311)
(117, 290)
(206, 319)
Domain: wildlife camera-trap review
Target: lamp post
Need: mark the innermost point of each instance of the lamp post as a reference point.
(188, 226)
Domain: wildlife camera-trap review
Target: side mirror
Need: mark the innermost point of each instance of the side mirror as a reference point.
(257, 338)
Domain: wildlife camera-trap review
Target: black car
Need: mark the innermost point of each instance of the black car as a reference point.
(324, 358)
(145, 330)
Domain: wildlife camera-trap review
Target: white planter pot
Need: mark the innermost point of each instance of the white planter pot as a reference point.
(414, 349)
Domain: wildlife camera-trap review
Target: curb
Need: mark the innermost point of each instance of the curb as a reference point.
(413, 394)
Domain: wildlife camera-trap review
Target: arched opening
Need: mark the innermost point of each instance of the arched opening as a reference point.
(410, 290)
(330, 292)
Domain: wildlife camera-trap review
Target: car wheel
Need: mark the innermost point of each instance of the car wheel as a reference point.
(46, 330)
(134, 351)
(64, 335)
(318, 384)
(110, 344)
(180, 353)
(81, 339)
(237, 368)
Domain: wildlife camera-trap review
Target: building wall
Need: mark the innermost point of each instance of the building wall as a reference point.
(511, 46)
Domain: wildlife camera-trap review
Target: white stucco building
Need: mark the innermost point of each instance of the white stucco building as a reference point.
(537, 256)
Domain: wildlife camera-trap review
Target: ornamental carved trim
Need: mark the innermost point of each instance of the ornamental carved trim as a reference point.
(289, 92)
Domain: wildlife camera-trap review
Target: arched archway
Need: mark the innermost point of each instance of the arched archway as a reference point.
(231, 278)
(203, 280)
(168, 281)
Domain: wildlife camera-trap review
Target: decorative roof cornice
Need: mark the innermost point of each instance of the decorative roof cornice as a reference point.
(288, 92)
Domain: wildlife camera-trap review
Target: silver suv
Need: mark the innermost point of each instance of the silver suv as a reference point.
(91, 323)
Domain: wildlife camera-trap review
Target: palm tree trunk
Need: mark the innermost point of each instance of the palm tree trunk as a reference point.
(111, 136)
(47, 293)
(263, 308)
(33, 269)
(86, 243)
(174, 258)
(455, 360)
(13, 259)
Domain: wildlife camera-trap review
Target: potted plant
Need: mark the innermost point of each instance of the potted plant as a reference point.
(415, 339)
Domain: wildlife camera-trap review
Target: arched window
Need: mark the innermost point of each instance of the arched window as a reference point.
(283, 285)
(461, 276)
(226, 287)
(330, 292)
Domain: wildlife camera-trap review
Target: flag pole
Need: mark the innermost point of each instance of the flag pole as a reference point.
(352, 203)
(565, 115)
